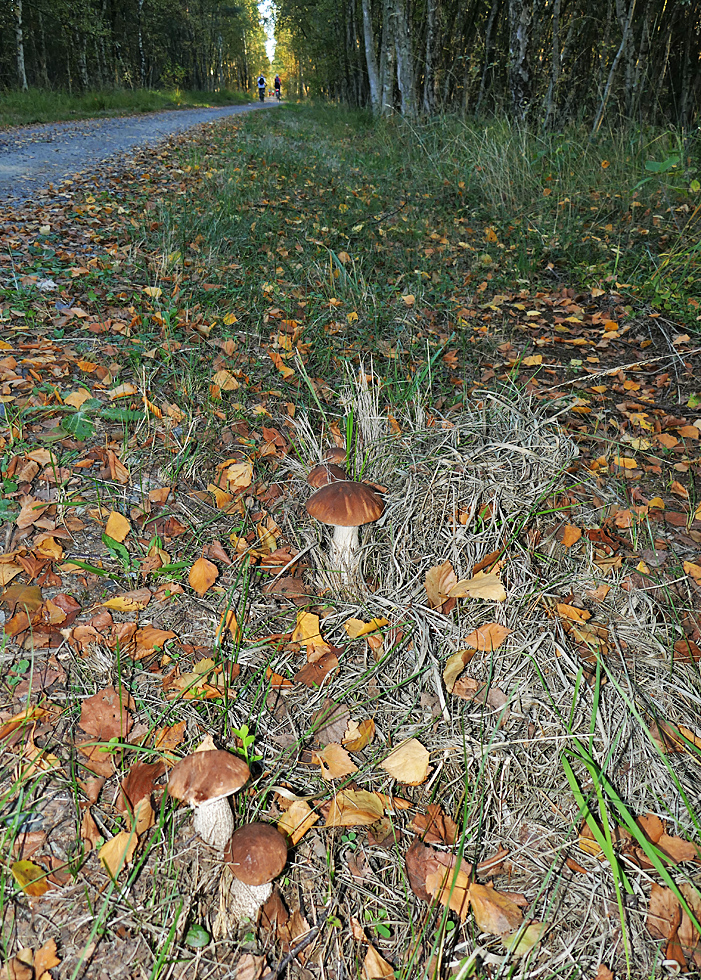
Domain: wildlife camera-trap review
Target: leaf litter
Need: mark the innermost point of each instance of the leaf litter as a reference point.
(504, 613)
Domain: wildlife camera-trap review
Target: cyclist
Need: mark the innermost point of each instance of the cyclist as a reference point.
(278, 85)
(261, 87)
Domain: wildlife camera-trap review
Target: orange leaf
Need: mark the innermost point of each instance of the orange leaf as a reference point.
(487, 637)
(359, 735)
(297, 820)
(354, 808)
(334, 761)
(571, 536)
(117, 526)
(493, 911)
(203, 575)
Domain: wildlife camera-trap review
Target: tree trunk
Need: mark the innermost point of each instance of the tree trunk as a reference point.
(19, 42)
(607, 91)
(551, 97)
(406, 78)
(42, 51)
(429, 97)
(387, 59)
(140, 38)
(488, 48)
(519, 68)
(371, 57)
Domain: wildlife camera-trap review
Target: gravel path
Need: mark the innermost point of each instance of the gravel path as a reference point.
(32, 157)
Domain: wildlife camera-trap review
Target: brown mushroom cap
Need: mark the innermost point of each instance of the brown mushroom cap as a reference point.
(206, 776)
(336, 454)
(345, 504)
(324, 473)
(256, 853)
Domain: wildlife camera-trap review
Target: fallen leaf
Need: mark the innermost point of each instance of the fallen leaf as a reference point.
(438, 582)
(487, 637)
(357, 736)
(435, 826)
(482, 585)
(493, 911)
(454, 666)
(571, 535)
(203, 575)
(118, 527)
(106, 714)
(356, 627)
(118, 851)
(133, 601)
(307, 631)
(374, 966)
(30, 877)
(451, 888)
(408, 763)
(314, 674)
(354, 808)
(664, 912)
(522, 940)
(297, 820)
(45, 959)
(334, 761)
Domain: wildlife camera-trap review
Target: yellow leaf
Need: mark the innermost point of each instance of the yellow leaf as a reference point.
(154, 292)
(123, 391)
(356, 627)
(225, 380)
(352, 317)
(129, 601)
(203, 575)
(359, 735)
(454, 666)
(409, 300)
(440, 579)
(77, 397)
(30, 877)
(483, 585)
(229, 319)
(285, 370)
(307, 631)
(296, 821)
(532, 360)
(354, 808)
(228, 623)
(334, 761)
(237, 476)
(487, 637)
(117, 526)
(118, 851)
(523, 940)
(8, 572)
(657, 503)
(694, 570)
(408, 763)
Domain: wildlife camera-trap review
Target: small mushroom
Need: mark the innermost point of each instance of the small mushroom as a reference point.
(256, 855)
(205, 780)
(324, 473)
(336, 454)
(345, 505)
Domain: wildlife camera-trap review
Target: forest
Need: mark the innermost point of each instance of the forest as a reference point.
(550, 62)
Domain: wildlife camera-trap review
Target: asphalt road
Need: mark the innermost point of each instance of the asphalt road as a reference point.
(32, 157)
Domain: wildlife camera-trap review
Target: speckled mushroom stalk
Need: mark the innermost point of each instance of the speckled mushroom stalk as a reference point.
(205, 780)
(256, 855)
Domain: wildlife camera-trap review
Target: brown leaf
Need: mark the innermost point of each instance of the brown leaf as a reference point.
(314, 674)
(169, 737)
(603, 973)
(688, 933)
(421, 861)
(133, 601)
(27, 597)
(435, 826)
(494, 912)
(203, 575)
(454, 666)
(451, 888)
(334, 761)
(571, 535)
(139, 782)
(329, 724)
(664, 912)
(408, 763)
(45, 959)
(439, 581)
(89, 831)
(106, 714)
(375, 967)
(487, 637)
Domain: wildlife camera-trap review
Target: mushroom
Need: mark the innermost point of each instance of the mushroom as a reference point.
(336, 454)
(345, 505)
(256, 854)
(205, 780)
(324, 473)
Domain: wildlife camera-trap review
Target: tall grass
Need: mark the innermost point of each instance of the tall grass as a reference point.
(39, 105)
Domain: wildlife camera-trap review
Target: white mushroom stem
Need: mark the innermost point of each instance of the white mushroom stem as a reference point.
(344, 550)
(245, 901)
(214, 822)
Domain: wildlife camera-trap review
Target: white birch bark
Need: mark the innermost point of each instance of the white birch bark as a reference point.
(371, 57)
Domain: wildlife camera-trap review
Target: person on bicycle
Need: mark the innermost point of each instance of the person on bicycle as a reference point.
(261, 87)
(278, 86)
